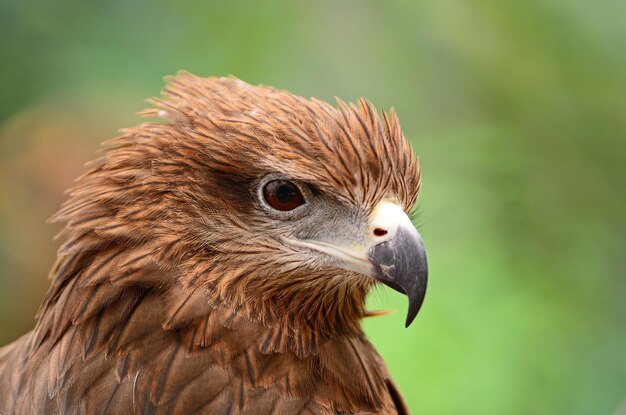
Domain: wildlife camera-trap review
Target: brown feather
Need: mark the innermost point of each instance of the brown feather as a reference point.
(169, 297)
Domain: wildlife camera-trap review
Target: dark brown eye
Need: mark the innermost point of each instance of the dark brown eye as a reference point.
(282, 195)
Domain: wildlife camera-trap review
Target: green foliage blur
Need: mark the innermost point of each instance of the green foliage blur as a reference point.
(517, 110)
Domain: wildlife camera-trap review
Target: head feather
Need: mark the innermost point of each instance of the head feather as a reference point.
(170, 206)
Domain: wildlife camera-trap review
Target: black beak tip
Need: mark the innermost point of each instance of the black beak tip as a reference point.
(414, 307)
(415, 290)
(410, 317)
(416, 293)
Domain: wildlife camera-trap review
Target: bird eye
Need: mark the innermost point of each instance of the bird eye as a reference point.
(282, 195)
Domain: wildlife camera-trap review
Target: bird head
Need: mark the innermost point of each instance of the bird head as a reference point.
(268, 202)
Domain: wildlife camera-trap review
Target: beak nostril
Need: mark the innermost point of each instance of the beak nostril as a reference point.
(380, 232)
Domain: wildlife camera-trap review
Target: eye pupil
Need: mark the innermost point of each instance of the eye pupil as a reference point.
(282, 195)
(285, 193)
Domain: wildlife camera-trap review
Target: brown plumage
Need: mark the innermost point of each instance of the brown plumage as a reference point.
(176, 291)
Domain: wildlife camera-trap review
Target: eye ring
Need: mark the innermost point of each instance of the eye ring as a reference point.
(282, 195)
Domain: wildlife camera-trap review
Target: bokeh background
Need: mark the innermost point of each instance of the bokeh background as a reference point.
(516, 108)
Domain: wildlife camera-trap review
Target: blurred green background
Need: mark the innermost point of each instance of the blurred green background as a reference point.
(517, 110)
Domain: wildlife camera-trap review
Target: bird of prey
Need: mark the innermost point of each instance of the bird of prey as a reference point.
(216, 260)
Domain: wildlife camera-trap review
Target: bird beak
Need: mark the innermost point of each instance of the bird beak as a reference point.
(394, 254)
(397, 255)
